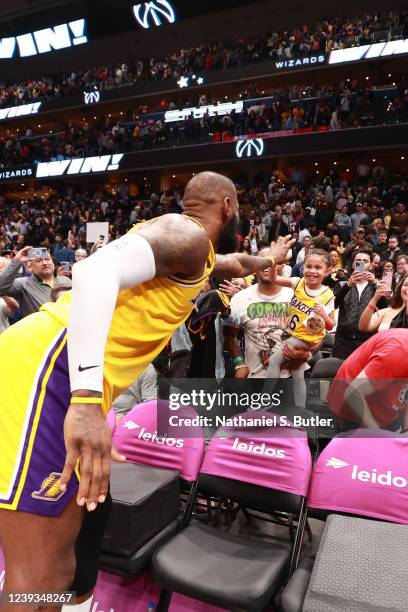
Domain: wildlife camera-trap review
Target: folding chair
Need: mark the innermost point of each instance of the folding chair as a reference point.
(358, 474)
(264, 468)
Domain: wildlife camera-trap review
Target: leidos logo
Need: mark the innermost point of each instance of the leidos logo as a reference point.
(153, 437)
(131, 425)
(79, 165)
(154, 13)
(92, 97)
(386, 480)
(250, 146)
(258, 449)
(336, 463)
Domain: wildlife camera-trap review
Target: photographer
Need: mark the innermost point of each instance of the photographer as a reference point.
(31, 291)
(351, 298)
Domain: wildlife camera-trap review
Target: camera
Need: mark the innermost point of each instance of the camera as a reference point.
(38, 253)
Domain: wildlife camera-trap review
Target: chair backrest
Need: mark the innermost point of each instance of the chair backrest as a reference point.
(258, 451)
(364, 472)
(326, 368)
(149, 435)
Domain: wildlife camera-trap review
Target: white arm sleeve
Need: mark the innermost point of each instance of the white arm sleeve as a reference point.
(96, 282)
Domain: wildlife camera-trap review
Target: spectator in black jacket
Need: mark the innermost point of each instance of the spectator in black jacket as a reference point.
(381, 247)
(357, 244)
(351, 298)
(278, 226)
(324, 215)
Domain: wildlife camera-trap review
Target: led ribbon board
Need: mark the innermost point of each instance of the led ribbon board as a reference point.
(220, 109)
(43, 41)
(252, 147)
(79, 165)
(19, 111)
(363, 52)
(313, 60)
(14, 174)
(150, 14)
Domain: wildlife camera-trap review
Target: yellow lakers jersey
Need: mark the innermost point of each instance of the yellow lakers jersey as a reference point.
(143, 322)
(301, 308)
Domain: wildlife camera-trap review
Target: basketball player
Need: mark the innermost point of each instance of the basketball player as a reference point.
(63, 367)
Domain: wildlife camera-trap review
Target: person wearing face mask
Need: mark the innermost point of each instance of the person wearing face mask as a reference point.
(32, 291)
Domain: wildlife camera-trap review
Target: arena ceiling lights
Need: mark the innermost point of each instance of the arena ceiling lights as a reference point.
(43, 41)
(154, 14)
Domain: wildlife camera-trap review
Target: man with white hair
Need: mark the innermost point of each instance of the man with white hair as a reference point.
(80, 254)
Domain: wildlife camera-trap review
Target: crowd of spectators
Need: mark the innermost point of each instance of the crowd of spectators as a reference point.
(339, 204)
(323, 36)
(360, 219)
(298, 108)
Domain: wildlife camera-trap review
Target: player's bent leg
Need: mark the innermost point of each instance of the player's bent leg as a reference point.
(39, 551)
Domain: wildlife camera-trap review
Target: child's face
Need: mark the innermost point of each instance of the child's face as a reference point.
(315, 269)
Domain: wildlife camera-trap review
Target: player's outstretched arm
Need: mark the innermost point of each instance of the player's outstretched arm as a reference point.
(237, 265)
(172, 245)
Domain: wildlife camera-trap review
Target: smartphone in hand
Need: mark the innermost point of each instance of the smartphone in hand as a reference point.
(387, 280)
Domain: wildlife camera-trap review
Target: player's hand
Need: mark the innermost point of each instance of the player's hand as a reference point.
(242, 373)
(22, 255)
(229, 288)
(279, 250)
(87, 439)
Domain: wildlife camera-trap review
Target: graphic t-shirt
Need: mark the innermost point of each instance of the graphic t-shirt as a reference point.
(264, 319)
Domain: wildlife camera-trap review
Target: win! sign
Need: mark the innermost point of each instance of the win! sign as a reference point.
(43, 41)
(79, 165)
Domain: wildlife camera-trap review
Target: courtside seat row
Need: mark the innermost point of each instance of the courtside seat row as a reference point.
(264, 469)
(261, 469)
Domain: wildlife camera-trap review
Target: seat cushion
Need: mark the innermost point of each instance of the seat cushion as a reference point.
(222, 569)
(294, 593)
(145, 501)
(361, 566)
(138, 562)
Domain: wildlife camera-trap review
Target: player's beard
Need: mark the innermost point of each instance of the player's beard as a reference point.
(227, 240)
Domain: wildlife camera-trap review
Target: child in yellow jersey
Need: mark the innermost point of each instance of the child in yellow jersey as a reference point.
(311, 314)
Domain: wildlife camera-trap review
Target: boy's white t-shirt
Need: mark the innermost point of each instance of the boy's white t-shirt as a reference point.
(264, 319)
